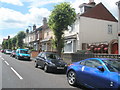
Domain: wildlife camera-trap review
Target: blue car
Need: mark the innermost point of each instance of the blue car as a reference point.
(22, 54)
(95, 73)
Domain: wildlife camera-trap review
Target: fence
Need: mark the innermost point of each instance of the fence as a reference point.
(73, 57)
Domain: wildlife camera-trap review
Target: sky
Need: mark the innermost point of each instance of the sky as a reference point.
(18, 15)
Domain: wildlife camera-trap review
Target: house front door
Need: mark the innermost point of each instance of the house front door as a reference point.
(114, 48)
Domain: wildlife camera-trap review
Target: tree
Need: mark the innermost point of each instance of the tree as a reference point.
(14, 41)
(20, 36)
(9, 43)
(61, 17)
(5, 44)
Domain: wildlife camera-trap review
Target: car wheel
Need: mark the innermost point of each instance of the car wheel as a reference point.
(46, 68)
(71, 78)
(18, 58)
(36, 65)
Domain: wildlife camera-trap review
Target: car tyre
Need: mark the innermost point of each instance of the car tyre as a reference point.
(36, 65)
(46, 68)
(71, 78)
(17, 57)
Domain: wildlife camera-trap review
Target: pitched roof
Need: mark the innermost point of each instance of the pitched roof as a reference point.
(99, 12)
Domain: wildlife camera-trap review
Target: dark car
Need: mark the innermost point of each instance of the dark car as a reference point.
(50, 61)
(95, 73)
(13, 53)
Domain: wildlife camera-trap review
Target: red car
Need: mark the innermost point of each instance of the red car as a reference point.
(2, 50)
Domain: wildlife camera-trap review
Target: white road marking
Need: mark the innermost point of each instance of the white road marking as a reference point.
(6, 62)
(16, 73)
(2, 58)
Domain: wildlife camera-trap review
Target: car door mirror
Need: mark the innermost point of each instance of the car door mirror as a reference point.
(100, 68)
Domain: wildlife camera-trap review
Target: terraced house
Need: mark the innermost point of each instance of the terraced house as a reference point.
(95, 29)
(40, 38)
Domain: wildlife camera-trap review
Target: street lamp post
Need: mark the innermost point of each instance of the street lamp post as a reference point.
(118, 3)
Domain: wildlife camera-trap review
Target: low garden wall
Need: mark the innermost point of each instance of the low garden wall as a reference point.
(74, 57)
(34, 54)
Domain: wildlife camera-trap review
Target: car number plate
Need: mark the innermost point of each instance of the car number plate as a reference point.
(60, 67)
(25, 57)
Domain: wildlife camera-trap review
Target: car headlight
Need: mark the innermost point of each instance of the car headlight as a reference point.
(66, 65)
(21, 55)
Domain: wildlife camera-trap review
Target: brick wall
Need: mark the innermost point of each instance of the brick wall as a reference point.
(34, 54)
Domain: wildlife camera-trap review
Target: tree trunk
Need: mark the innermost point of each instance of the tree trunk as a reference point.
(59, 47)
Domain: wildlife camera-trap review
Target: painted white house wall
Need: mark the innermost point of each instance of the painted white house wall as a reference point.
(71, 44)
(90, 30)
(119, 25)
(96, 30)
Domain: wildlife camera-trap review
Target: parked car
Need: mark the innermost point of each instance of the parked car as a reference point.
(2, 50)
(95, 73)
(50, 61)
(13, 53)
(8, 51)
(22, 54)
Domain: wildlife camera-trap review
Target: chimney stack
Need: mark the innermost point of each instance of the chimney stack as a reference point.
(91, 1)
(44, 21)
(8, 37)
(34, 27)
(27, 30)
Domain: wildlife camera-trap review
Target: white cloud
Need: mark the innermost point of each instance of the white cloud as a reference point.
(14, 19)
(39, 3)
(14, 2)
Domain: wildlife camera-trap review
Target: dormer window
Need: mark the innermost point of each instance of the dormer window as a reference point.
(86, 6)
(81, 10)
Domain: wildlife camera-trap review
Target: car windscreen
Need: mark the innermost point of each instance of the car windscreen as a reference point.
(24, 51)
(113, 65)
(9, 50)
(13, 51)
(52, 56)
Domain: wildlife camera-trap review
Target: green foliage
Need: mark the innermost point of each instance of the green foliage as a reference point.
(14, 41)
(20, 36)
(9, 43)
(5, 44)
(61, 17)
